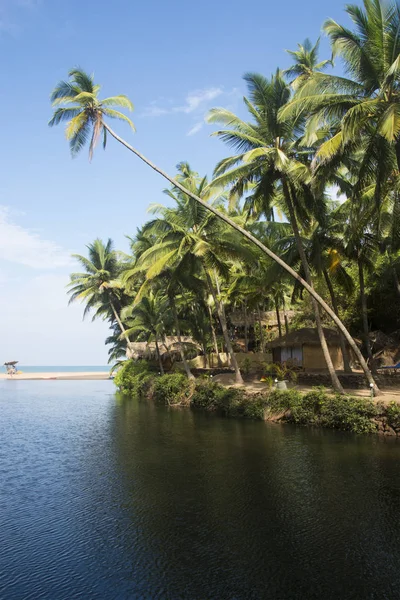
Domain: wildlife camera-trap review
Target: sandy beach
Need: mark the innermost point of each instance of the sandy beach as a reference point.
(95, 375)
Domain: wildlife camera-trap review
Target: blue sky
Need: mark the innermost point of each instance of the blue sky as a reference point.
(175, 60)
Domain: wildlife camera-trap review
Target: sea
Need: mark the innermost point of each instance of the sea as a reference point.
(63, 368)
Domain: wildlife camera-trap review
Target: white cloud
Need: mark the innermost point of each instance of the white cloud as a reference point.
(154, 111)
(198, 99)
(196, 128)
(25, 247)
(194, 101)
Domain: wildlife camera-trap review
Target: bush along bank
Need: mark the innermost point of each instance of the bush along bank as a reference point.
(318, 407)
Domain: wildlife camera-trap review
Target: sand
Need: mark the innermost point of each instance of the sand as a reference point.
(95, 376)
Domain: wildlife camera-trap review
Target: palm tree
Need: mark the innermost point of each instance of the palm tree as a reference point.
(306, 63)
(68, 93)
(270, 157)
(191, 239)
(97, 286)
(84, 111)
(147, 320)
(360, 111)
(360, 244)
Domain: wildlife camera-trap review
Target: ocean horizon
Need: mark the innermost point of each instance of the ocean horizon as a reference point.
(62, 368)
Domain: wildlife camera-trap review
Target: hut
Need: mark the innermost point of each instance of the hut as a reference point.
(169, 349)
(302, 349)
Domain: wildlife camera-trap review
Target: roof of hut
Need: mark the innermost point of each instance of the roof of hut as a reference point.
(268, 317)
(169, 345)
(306, 335)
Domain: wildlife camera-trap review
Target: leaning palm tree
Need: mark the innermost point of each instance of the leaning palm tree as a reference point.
(76, 101)
(97, 286)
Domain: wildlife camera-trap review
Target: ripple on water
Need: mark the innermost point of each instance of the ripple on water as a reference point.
(102, 498)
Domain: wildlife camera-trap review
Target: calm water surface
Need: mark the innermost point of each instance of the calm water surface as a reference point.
(105, 498)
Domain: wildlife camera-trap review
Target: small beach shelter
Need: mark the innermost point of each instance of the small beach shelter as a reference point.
(302, 348)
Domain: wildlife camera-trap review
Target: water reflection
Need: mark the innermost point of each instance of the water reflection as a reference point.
(234, 509)
(103, 497)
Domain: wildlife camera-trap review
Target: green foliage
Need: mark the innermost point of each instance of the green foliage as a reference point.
(393, 415)
(284, 372)
(246, 366)
(172, 389)
(214, 397)
(256, 407)
(317, 407)
(134, 377)
(348, 413)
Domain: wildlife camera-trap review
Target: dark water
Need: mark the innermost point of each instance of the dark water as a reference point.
(101, 498)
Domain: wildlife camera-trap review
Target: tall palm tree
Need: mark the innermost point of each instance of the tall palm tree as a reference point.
(191, 239)
(270, 157)
(97, 286)
(146, 320)
(363, 109)
(360, 244)
(84, 111)
(306, 63)
(68, 93)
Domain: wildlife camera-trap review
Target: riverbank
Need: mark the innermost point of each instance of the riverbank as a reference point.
(64, 376)
(318, 407)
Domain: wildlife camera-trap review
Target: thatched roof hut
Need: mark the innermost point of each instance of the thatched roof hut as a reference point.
(302, 348)
(169, 348)
(268, 318)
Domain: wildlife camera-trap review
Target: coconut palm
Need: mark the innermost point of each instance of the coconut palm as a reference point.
(270, 157)
(146, 320)
(66, 93)
(84, 111)
(306, 63)
(191, 242)
(97, 286)
(361, 111)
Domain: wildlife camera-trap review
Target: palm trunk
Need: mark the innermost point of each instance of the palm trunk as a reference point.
(337, 386)
(396, 281)
(262, 343)
(224, 326)
(223, 217)
(205, 357)
(285, 315)
(364, 312)
(246, 330)
(178, 335)
(121, 326)
(343, 347)
(214, 336)
(159, 358)
(278, 316)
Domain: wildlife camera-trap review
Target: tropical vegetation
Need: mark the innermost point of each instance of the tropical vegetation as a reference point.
(306, 203)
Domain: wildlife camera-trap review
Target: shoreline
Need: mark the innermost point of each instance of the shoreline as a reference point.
(58, 376)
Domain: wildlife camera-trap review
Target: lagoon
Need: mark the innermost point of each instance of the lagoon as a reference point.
(103, 497)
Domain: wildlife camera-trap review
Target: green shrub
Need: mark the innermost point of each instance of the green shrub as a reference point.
(229, 401)
(255, 406)
(393, 415)
(246, 366)
(205, 395)
(281, 400)
(214, 397)
(172, 389)
(348, 413)
(131, 375)
(307, 409)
